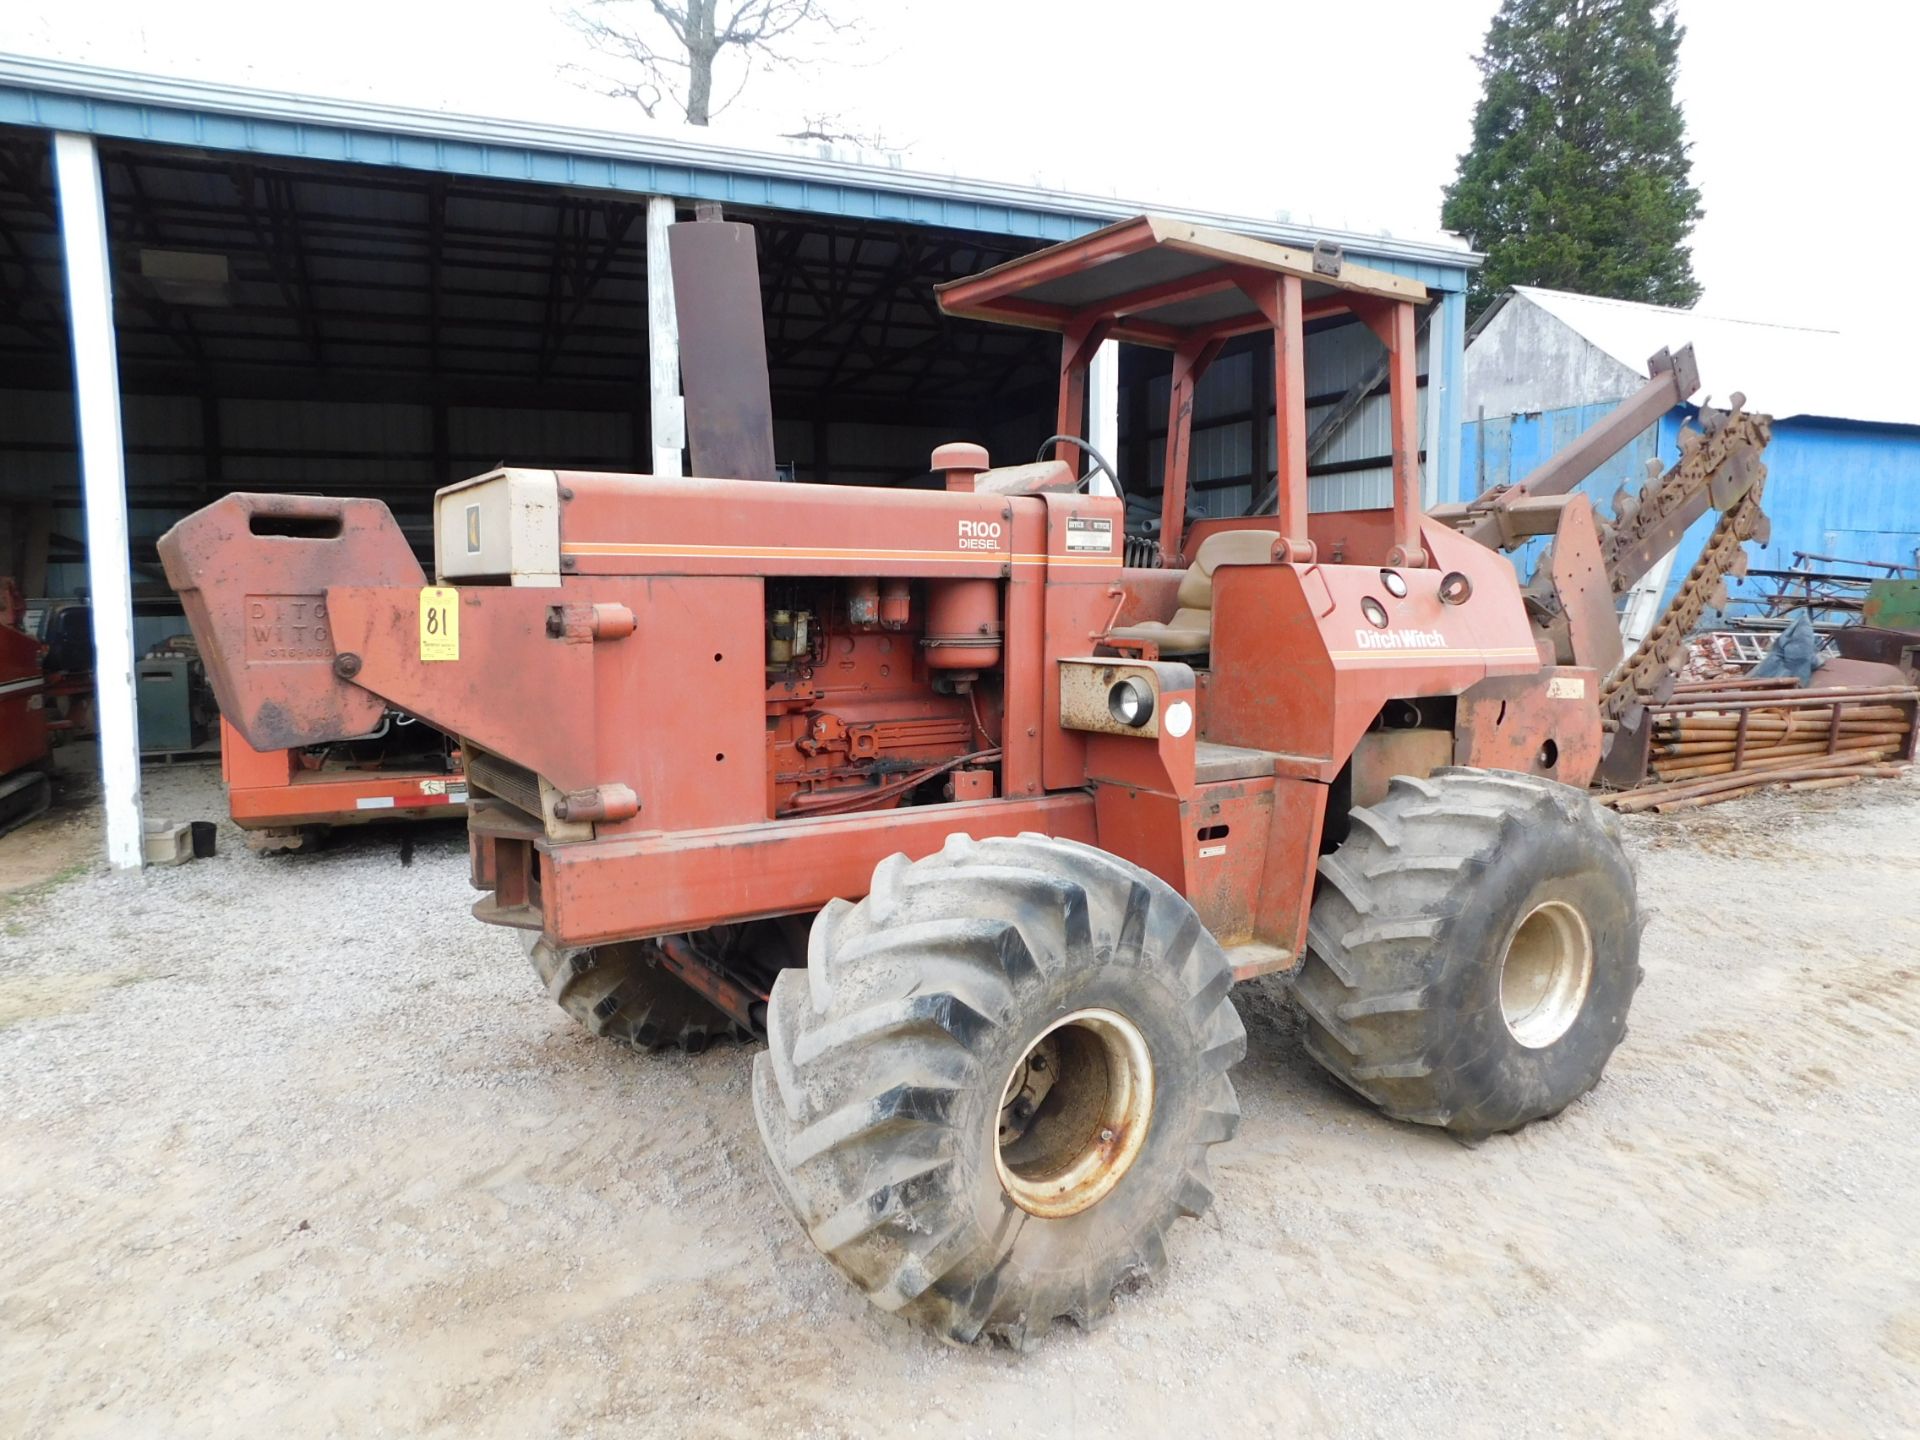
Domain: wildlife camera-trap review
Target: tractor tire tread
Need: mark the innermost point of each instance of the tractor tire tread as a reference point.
(1396, 896)
(618, 994)
(868, 1055)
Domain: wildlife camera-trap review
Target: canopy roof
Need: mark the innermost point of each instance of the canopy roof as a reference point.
(1164, 281)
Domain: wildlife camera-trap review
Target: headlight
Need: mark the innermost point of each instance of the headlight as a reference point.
(1130, 702)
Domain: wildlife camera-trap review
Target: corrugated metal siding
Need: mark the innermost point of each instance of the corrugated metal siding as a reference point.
(1832, 488)
(1502, 451)
(1226, 389)
(478, 439)
(1223, 448)
(37, 463)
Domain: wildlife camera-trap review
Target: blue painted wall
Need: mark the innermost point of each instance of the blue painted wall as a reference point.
(1504, 449)
(1833, 487)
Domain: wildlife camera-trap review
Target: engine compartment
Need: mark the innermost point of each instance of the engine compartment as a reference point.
(880, 694)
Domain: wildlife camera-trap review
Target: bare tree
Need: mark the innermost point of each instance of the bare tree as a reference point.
(832, 128)
(666, 49)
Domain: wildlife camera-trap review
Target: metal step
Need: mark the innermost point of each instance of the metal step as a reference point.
(1212, 763)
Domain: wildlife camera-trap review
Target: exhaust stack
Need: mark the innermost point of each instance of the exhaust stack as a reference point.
(723, 350)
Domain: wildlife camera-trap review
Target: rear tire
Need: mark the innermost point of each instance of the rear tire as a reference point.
(1472, 952)
(890, 1094)
(622, 993)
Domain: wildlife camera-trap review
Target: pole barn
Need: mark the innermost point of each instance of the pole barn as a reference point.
(206, 288)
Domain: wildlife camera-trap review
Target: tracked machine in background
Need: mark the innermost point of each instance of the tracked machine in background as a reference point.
(975, 823)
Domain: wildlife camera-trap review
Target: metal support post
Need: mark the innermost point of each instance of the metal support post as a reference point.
(663, 343)
(103, 480)
(1103, 411)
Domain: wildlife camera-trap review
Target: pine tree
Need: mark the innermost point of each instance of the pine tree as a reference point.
(1578, 178)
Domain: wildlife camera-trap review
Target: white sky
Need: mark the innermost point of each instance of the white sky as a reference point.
(1803, 118)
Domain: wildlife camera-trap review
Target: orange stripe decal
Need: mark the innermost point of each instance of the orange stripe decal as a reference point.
(613, 548)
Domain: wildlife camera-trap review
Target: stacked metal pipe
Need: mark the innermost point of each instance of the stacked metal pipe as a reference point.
(1716, 740)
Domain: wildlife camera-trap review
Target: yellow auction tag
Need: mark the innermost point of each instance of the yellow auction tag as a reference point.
(439, 623)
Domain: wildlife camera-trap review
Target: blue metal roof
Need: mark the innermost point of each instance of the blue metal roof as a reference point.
(117, 105)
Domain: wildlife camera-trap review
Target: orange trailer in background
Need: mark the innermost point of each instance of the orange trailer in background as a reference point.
(289, 799)
(24, 788)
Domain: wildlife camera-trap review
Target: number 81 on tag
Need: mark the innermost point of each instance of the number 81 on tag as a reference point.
(439, 623)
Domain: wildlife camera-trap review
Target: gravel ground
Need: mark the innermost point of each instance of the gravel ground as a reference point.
(292, 1147)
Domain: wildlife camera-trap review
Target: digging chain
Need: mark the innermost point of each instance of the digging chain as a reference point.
(1717, 455)
(1706, 585)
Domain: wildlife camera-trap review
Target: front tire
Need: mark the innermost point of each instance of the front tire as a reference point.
(1472, 951)
(911, 1132)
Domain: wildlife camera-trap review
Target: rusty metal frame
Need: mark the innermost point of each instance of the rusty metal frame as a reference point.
(994, 294)
(699, 878)
(1273, 280)
(1393, 325)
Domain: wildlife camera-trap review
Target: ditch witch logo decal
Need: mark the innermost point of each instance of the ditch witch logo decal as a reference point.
(1399, 639)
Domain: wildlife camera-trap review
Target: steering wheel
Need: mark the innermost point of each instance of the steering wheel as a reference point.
(1099, 461)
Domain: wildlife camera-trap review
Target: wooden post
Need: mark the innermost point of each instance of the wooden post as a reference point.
(26, 530)
(103, 481)
(35, 541)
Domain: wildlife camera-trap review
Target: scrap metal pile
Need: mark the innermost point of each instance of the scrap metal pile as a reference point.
(1720, 733)
(1717, 740)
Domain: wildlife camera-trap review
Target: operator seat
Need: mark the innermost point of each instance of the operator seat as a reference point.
(1190, 631)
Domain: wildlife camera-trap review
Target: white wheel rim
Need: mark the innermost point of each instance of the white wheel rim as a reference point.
(1545, 974)
(1094, 1089)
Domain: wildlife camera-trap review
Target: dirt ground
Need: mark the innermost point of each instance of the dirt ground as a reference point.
(290, 1146)
(59, 846)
